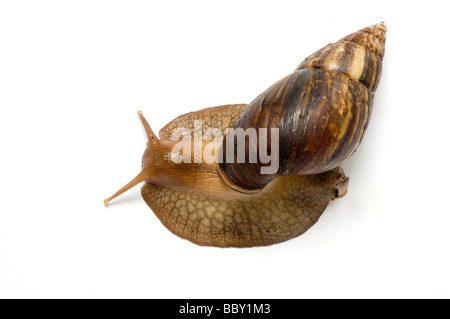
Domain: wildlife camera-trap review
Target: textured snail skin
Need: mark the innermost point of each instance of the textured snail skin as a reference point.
(200, 207)
(329, 96)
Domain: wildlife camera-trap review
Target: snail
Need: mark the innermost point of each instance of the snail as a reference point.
(319, 114)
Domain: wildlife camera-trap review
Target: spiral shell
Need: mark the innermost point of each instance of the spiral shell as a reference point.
(321, 110)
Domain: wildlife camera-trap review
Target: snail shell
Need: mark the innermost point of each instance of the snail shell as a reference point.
(321, 110)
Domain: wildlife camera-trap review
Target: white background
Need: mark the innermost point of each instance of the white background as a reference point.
(74, 73)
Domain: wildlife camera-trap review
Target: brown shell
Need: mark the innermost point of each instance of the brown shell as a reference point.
(321, 110)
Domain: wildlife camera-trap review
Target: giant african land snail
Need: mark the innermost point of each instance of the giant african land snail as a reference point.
(321, 111)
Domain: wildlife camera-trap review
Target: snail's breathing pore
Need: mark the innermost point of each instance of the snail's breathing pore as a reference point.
(321, 111)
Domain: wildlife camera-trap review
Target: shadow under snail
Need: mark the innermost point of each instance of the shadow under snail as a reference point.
(321, 111)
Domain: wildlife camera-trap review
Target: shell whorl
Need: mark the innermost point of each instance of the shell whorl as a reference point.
(358, 55)
(321, 110)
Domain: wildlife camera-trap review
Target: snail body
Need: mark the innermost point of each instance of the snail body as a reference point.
(321, 111)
